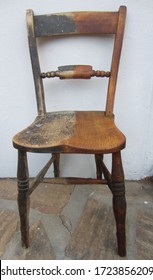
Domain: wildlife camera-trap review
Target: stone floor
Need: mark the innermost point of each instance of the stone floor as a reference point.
(76, 222)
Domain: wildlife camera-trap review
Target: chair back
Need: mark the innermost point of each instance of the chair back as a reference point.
(76, 23)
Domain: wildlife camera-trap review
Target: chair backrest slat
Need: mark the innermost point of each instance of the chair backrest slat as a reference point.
(76, 23)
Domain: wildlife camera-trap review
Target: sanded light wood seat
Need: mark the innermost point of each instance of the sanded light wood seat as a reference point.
(84, 132)
(74, 131)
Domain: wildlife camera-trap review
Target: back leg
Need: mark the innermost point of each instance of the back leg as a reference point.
(98, 159)
(56, 165)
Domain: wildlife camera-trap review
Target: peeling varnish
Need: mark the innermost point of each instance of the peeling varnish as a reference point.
(49, 129)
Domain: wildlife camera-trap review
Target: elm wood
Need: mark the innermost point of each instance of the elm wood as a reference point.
(75, 23)
(23, 196)
(74, 132)
(78, 132)
(41, 175)
(119, 201)
(73, 180)
(75, 72)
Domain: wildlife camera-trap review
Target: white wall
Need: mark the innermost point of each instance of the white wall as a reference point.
(134, 100)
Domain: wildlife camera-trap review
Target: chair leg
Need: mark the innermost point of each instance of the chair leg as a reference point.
(56, 165)
(23, 197)
(98, 159)
(119, 201)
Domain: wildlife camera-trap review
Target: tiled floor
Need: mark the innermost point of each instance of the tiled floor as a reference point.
(76, 222)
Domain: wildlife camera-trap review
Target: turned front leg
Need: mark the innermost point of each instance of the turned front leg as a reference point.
(119, 201)
(23, 196)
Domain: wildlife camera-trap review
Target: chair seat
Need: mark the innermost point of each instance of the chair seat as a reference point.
(71, 131)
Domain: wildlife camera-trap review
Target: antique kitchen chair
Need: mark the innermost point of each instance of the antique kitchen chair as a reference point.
(78, 132)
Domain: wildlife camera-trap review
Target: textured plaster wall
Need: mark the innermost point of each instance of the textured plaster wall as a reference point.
(134, 100)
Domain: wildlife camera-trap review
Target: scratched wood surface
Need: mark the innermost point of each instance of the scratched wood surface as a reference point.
(75, 23)
(72, 132)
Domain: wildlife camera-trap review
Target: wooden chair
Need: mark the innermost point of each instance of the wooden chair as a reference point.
(78, 132)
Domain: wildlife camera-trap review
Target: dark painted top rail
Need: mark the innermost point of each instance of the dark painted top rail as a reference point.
(74, 23)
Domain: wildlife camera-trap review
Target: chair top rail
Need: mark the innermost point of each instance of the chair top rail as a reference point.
(76, 23)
